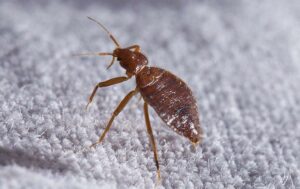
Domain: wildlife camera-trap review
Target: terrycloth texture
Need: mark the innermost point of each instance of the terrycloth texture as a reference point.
(240, 58)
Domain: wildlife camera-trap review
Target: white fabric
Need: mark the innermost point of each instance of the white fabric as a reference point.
(240, 58)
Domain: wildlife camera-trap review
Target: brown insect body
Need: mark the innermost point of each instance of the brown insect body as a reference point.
(169, 96)
(172, 99)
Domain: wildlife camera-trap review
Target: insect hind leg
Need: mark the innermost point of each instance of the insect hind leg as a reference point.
(115, 114)
(152, 140)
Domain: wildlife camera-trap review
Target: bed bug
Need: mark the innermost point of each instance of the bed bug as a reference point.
(167, 94)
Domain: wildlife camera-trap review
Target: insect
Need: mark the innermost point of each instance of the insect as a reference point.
(167, 94)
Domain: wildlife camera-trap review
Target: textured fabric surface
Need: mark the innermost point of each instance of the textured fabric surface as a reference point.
(241, 59)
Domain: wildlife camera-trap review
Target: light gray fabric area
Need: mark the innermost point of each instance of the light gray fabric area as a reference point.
(240, 58)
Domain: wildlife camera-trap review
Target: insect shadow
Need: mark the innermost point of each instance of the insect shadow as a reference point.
(23, 159)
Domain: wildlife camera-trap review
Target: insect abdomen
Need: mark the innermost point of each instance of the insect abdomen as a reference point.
(173, 101)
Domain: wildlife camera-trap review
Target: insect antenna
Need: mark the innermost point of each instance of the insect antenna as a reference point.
(108, 32)
(101, 53)
(93, 54)
(98, 54)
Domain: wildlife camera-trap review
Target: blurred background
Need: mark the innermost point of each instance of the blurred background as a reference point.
(240, 58)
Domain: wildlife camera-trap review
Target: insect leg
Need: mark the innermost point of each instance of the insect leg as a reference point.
(106, 83)
(135, 47)
(115, 113)
(152, 140)
(111, 63)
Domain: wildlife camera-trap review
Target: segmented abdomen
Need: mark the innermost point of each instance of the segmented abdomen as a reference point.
(172, 99)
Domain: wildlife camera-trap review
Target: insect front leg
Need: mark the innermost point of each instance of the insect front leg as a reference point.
(115, 113)
(107, 83)
(152, 140)
(136, 48)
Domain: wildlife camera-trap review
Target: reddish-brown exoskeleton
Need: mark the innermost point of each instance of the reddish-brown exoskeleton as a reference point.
(169, 96)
